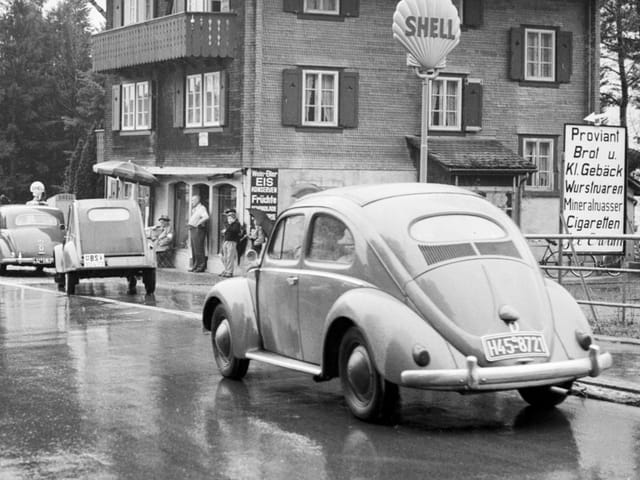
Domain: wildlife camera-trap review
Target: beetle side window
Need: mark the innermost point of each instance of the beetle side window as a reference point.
(287, 240)
(331, 240)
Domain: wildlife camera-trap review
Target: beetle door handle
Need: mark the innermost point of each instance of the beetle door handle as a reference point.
(292, 281)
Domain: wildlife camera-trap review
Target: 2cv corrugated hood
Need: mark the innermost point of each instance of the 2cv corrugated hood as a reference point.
(467, 284)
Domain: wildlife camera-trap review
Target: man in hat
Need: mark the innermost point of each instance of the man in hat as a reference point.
(231, 236)
(198, 233)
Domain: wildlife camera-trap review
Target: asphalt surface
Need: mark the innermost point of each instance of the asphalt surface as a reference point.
(619, 384)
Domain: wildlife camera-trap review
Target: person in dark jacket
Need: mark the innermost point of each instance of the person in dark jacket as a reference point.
(231, 236)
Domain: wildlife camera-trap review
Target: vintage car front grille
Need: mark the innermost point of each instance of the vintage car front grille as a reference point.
(506, 249)
(440, 253)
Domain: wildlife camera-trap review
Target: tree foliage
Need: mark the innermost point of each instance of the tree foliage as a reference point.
(48, 96)
(86, 180)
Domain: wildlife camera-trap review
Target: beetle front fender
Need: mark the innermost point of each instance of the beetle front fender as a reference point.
(392, 329)
(235, 295)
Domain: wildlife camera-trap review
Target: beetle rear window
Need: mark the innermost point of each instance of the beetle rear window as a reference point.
(455, 228)
(36, 220)
(108, 214)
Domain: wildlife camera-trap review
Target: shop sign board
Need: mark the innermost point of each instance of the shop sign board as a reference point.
(594, 185)
(263, 191)
(428, 29)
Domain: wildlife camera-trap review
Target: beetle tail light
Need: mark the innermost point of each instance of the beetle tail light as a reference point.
(584, 339)
(421, 356)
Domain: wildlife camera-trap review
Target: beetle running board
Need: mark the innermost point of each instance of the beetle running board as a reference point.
(282, 361)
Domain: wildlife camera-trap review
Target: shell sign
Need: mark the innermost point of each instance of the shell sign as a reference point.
(428, 29)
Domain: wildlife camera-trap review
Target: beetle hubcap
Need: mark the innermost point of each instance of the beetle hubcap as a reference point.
(223, 339)
(360, 372)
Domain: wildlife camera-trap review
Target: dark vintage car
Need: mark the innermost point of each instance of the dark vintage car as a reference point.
(105, 238)
(416, 285)
(28, 235)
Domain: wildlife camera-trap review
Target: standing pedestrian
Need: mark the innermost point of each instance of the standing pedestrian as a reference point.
(231, 237)
(197, 233)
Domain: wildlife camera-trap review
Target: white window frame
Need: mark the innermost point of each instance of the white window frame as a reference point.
(322, 7)
(533, 55)
(444, 107)
(136, 106)
(207, 5)
(136, 11)
(319, 94)
(203, 100)
(459, 4)
(547, 161)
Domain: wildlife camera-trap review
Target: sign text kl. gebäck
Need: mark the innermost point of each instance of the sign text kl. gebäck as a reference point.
(594, 185)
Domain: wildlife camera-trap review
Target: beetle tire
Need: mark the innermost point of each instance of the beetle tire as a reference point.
(70, 281)
(547, 396)
(368, 395)
(149, 280)
(228, 364)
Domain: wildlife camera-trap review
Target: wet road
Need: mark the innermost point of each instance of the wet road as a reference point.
(100, 389)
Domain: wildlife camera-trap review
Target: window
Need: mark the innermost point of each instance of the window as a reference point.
(540, 54)
(207, 5)
(322, 6)
(539, 151)
(136, 106)
(445, 107)
(287, 239)
(135, 11)
(203, 100)
(331, 241)
(470, 12)
(320, 98)
(455, 228)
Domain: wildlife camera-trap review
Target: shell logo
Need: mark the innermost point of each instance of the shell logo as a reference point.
(428, 29)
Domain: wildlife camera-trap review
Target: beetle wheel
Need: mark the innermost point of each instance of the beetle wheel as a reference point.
(546, 396)
(368, 395)
(228, 364)
(149, 280)
(70, 281)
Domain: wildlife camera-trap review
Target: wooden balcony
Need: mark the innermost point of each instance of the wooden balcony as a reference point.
(181, 35)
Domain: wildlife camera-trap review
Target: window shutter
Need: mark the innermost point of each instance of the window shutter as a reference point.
(224, 98)
(294, 6)
(516, 70)
(350, 8)
(472, 13)
(117, 13)
(115, 108)
(564, 48)
(291, 96)
(178, 99)
(472, 105)
(153, 104)
(348, 100)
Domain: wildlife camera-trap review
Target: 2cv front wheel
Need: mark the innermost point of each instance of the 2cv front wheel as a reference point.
(368, 395)
(228, 364)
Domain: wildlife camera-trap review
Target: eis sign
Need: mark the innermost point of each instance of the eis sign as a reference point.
(263, 191)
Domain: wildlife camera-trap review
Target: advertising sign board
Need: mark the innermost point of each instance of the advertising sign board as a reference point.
(264, 191)
(594, 185)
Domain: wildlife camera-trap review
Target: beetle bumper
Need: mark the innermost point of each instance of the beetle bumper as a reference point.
(503, 378)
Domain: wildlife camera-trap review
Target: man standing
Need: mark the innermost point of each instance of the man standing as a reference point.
(232, 235)
(197, 232)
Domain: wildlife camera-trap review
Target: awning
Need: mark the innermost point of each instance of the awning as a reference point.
(472, 155)
(194, 171)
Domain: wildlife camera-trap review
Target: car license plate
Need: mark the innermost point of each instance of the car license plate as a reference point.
(93, 260)
(44, 260)
(514, 345)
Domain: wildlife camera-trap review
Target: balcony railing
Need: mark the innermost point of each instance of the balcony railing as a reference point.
(181, 35)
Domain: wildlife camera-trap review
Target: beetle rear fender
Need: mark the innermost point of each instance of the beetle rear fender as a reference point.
(567, 319)
(392, 330)
(235, 295)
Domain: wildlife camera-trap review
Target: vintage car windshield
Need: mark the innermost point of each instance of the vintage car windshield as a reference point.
(455, 228)
(37, 219)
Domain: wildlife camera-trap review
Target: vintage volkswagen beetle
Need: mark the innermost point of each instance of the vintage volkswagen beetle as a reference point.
(105, 238)
(28, 235)
(416, 285)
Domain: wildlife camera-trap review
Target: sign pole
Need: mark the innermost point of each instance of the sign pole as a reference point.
(424, 129)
